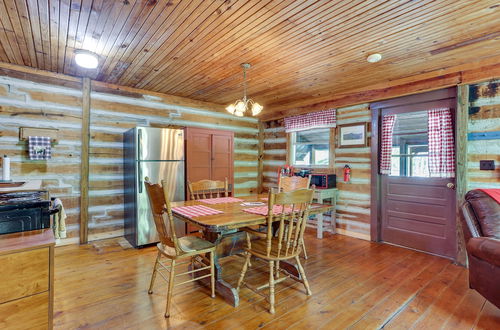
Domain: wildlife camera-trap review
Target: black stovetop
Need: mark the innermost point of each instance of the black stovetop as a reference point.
(23, 198)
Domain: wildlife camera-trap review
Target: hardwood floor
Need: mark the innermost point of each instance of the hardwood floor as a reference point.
(356, 284)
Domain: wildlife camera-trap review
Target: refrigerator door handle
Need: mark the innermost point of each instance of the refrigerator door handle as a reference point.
(139, 154)
(140, 177)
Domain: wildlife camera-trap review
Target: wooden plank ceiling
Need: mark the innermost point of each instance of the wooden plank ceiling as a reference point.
(302, 52)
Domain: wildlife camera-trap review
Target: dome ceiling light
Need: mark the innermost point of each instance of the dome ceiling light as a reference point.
(86, 59)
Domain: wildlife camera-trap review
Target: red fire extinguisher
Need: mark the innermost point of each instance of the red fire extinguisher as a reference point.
(347, 173)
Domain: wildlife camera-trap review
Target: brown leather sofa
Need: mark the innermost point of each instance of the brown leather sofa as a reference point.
(481, 226)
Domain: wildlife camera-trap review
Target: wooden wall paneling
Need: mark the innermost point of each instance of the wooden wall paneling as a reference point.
(84, 167)
(461, 123)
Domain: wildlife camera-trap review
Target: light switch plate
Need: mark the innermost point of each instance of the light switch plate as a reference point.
(488, 165)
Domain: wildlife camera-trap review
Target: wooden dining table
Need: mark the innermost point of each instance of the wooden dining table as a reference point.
(223, 230)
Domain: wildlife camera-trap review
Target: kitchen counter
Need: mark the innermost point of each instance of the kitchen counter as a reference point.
(27, 285)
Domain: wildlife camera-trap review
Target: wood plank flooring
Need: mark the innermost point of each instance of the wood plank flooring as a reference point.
(356, 284)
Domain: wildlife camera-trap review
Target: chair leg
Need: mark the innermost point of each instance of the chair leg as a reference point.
(212, 273)
(243, 271)
(271, 286)
(303, 275)
(153, 276)
(304, 248)
(170, 288)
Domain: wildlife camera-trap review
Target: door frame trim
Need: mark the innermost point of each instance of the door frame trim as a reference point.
(375, 184)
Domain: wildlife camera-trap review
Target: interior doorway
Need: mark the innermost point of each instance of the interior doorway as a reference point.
(414, 175)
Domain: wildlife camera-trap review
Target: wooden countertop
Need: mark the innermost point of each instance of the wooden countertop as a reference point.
(26, 240)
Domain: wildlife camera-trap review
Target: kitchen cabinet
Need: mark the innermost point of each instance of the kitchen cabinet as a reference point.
(27, 285)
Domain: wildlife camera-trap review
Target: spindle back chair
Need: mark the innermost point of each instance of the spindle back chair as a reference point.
(208, 189)
(290, 210)
(174, 248)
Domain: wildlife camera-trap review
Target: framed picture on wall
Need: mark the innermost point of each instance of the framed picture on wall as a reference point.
(352, 135)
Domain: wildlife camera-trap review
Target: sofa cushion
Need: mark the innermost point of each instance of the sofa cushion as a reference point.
(487, 212)
(487, 249)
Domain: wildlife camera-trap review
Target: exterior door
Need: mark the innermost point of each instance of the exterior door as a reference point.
(417, 210)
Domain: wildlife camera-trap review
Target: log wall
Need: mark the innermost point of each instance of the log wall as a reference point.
(353, 207)
(29, 104)
(113, 111)
(484, 116)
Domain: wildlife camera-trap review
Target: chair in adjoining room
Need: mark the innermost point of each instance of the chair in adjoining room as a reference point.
(290, 210)
(291, 183)
(188, 247)
(208, 189)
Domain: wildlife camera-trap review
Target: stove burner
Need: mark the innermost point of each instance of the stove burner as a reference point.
(21, 197)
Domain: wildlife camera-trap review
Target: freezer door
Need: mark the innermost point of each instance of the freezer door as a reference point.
(173, 174)
(160, 143)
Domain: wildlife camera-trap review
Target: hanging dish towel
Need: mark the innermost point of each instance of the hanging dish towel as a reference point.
(59, 220)
(39, 147)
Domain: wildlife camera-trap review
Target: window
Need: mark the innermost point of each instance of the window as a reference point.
(410, 145)
(311, 147)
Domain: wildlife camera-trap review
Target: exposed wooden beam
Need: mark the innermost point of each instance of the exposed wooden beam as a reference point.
(462, 119)
(465, 43)
(473, 75)
(260, 158)
(84, 162)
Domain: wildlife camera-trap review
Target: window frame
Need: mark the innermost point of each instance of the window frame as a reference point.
(291, 142)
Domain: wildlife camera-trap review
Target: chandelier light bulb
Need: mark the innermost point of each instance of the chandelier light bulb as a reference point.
(256, 109)
(241, 106)
(231, 109)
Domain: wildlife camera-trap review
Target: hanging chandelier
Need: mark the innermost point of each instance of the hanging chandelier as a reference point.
(239, 107)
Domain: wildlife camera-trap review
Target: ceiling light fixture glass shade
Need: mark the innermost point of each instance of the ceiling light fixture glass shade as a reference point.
(239, 107)
(86, 59)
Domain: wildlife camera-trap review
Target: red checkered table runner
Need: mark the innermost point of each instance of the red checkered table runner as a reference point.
(195, 210)
(220, 200)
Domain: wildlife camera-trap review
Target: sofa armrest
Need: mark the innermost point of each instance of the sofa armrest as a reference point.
(487, 249)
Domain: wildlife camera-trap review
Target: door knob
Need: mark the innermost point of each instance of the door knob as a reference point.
(450, 185)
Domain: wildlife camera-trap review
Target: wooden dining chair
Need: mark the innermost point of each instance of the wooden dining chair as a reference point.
(188, 247)
(208, 189)
(291, 183)
(294, 210)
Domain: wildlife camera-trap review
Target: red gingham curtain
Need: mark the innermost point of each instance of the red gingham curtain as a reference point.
(386, 143)
(441, 144)
(320, 119)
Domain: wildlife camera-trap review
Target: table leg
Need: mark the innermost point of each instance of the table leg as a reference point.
(319, 221)
(227, 244)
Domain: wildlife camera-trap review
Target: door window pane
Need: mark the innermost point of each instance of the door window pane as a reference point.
(410, 145)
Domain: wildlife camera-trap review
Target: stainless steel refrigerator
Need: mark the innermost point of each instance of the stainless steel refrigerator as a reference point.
(157, 153)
